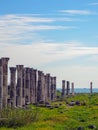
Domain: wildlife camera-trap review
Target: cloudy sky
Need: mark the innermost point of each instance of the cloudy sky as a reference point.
(56, 36)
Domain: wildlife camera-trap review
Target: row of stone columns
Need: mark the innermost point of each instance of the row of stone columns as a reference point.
(67, 88)
(27, 85)
(32, 86)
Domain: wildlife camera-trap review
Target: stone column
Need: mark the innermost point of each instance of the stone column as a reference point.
(1, 84)
(19, 87)
(4, 62)
(32, 86)
(54, 88)
(68, 88)
(13, 86)
(24, 87)
(63, 88)
(27, 89)
(39, 89)
(72, 87)
(91, 87)
(48, 80)
(35, 84)
(45, 84)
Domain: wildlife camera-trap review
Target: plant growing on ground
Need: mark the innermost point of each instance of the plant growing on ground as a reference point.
(16, 117)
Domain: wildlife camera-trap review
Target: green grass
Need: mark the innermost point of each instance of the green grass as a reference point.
(64, 117)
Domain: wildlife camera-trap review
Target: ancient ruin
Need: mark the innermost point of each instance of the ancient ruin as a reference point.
(27, 86)
(63, 88)
(72, 88)
(91, 87)
(66, 88)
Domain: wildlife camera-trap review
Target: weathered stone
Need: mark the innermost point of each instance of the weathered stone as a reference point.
(35, 84)
(23, 87)
(1, 84)
(47, 103)
(52, 88)
(48, 106)
(4, 64)
(41, 86)
(68, 88)
(72, 88)
(27, 85)
(80, 128)
(32, 87)
(78, 103)
(63, 88)
(92, 127)
(91, 87)
(72, 103)
(13, 86)
(46, 91)
(48, 87)
(19, 88)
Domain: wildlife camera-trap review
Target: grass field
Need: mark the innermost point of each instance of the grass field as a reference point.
(70, 113)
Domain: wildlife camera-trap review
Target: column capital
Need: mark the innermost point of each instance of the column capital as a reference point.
(0, 62)
(5, 58)
(19, 66)
(13, 69)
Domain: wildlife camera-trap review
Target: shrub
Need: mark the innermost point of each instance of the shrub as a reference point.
(17, 117)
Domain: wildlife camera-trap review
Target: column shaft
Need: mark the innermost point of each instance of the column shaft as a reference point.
(48, 80)
(4, 63)
(1, 84)
(63, 88)
(27, 89)
(13, 86)
(72, 87)
(68, 88)
(19, 85)
(91, 87)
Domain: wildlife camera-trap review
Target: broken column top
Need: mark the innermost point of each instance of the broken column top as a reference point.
(0, 62)
(4, 60)
(63, 80)
(48, 74)
(35, 70)
(12, 69)
(27, 69)
(54, 78)
(91, 83)
(39, 71)
(20, 66)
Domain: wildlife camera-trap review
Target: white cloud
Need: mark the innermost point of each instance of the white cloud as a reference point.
(42, 53)
(19, 28)
(37, 55)
(95, 3)
(77, 12)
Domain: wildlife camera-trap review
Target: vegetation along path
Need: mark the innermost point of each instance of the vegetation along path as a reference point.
(79, 112)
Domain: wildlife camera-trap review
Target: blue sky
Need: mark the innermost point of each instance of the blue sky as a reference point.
(55, 36)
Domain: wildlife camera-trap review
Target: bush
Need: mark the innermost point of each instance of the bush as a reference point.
(17, 117)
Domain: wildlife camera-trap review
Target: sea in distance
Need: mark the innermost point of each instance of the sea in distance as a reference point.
(82, 90)
(85, 90)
